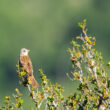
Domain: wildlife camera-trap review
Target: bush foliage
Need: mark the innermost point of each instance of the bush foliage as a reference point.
(88, 68)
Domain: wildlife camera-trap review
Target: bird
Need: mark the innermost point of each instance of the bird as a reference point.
(25, 62)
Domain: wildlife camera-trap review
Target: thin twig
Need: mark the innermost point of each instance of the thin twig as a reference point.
(40, 103)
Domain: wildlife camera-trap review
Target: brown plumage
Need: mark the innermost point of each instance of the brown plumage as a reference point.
(26, 63)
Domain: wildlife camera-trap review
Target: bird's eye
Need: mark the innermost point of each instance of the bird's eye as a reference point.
(24, 51)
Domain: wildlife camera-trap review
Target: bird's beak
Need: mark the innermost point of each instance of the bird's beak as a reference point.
(28, 50)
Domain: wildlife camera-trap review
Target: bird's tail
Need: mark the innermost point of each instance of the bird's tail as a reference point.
(33, 82)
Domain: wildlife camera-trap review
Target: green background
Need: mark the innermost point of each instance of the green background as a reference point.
(46, 27)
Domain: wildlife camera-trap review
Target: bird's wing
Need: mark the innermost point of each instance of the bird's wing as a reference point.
(26, 64)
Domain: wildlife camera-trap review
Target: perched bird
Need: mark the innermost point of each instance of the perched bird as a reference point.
(25, 62)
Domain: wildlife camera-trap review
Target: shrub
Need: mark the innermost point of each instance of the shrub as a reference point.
(88, 68)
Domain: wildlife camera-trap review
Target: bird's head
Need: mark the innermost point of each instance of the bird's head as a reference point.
(24, 52)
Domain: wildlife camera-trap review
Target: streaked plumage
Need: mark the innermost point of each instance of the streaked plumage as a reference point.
(25, 62)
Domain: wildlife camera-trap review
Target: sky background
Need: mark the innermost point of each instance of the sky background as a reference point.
(46, 27)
